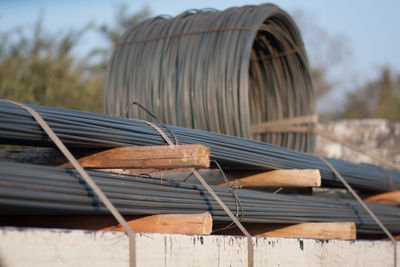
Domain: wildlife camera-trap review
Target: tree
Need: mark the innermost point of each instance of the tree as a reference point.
(40, 68)
(327, 52)
(376, 99)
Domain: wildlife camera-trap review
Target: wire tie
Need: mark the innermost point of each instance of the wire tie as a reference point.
(370, 212)
(60, 145)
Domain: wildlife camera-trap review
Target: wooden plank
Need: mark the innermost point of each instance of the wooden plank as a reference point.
(391, 198)
(292, 178)
(164, 223)
(267, 126)
(330, 230)
(188, 156)
(194, 224)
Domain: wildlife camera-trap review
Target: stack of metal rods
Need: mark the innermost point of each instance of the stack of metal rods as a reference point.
(84, 129)
(219, 71)
(34, 189)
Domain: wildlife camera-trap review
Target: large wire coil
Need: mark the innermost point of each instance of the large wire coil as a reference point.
(220, 71)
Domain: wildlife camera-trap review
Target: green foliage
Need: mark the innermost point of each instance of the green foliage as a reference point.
(377, 99)
(321, 85)
(41, 69)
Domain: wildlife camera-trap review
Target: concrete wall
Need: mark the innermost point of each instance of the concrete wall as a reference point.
(381, 137)
(44, 247)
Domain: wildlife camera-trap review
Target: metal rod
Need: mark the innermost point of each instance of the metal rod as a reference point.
(35, 189)
(84, 129)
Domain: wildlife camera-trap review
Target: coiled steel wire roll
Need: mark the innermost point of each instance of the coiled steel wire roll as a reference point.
(215, 71)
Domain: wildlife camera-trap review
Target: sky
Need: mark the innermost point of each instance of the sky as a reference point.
(370, 29)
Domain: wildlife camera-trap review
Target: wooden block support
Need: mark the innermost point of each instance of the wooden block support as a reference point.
(165, 223)
(292, 178)
(333, 230)
(391, 198)
(180, 156)
(330, 230)
(193, 224)
(282, 124)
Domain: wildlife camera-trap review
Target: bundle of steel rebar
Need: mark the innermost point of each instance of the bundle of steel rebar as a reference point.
(84, 129)
(219, 71)
(34, 189)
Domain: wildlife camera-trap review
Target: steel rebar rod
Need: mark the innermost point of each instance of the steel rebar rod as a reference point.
(35, 189)
(84, 129)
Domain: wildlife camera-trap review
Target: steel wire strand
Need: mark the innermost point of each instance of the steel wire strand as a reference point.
(83, 129)
(219, 71)
(63, 191)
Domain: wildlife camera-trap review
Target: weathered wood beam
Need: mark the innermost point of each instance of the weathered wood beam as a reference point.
(189, 156)
(182, 156)
(163, 223)
(391, 198)
(199, 224)
(330, 230)
(282, 124)
(292, 178)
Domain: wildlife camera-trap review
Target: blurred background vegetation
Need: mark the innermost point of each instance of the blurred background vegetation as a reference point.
(41, 68)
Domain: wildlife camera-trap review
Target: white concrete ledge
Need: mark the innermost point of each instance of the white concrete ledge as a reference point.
(44, 247)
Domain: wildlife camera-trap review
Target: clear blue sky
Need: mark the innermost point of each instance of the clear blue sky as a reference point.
(372, 28)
